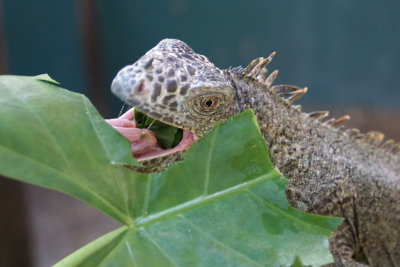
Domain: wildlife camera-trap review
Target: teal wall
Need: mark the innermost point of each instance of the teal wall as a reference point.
(346, 52)
(42, 36)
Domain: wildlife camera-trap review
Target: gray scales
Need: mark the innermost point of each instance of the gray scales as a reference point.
(332, 171)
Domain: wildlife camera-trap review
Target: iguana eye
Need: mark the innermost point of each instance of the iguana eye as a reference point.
(209, 103)
(204, 104)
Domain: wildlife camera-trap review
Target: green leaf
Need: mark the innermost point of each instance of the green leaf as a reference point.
(167, 136)
(224, 205)
(55, 138)
(297, 263)
(46, 78)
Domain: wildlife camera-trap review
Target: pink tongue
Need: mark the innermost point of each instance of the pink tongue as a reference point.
(143, 141)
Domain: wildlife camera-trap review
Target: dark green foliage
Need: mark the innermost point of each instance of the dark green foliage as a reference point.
(167, 136)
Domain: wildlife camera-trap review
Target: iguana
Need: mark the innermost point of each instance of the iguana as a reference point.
(331, 171)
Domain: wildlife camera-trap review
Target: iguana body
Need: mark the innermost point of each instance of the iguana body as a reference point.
(331, 171)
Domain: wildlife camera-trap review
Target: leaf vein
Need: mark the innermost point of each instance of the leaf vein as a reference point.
(149, 184)
(131, 254)
(209, 236)
(159, 247)
(45, 129)
(203, 200)
(110, 253)
(288, 215)
(66, 177)
(209, 160)
(85, 102)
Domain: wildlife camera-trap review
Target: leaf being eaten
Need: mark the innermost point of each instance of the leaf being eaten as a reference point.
(224, 205)
(167, 136)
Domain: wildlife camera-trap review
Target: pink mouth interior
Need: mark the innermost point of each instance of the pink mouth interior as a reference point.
(143, 142)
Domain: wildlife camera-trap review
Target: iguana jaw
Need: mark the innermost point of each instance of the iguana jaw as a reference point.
(186, 142)
(174, 85)
(143, 142)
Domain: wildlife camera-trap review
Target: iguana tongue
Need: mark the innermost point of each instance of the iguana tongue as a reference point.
(144, 142)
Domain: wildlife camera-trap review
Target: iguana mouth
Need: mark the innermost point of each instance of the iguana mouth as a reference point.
(144, 142)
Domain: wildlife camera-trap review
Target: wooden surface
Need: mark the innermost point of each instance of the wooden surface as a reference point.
(15, 249)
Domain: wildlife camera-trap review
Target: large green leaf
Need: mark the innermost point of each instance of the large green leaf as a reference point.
(55, 138)
(224, 205)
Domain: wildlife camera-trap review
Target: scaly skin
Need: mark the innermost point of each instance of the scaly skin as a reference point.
(331, 171)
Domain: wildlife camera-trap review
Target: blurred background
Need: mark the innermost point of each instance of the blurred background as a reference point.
(346, 52)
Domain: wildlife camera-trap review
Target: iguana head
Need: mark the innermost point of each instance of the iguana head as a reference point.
(173, 84)
(177, 86)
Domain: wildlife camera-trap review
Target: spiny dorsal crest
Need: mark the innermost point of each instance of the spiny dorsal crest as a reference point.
(257, 70)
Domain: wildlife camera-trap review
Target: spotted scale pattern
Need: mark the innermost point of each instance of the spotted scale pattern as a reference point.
(165, 78)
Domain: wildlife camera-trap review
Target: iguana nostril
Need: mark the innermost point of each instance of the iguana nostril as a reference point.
(140, 88)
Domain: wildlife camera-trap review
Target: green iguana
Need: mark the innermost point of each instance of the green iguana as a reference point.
(331, 171)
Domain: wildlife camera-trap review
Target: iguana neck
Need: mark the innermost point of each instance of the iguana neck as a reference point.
(319, 160)
(282, 126)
